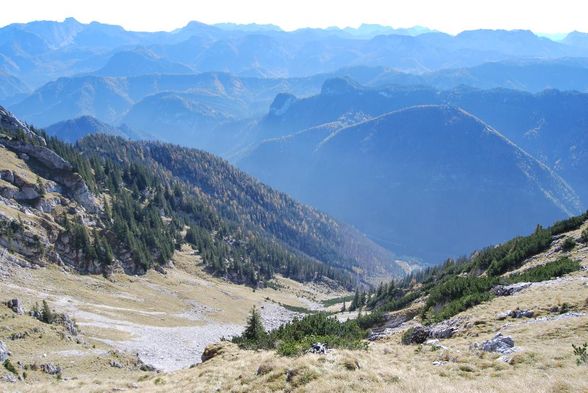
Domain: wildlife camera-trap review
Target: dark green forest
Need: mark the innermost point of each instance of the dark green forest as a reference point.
(244, 231)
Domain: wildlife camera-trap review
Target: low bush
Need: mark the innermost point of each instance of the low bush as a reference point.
(581, 351)
(546, 272)
(298, 335)
(568, 244)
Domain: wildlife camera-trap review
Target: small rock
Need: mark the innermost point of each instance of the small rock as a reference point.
(116, 364)
(435, 344)
(439, 363)
(51, 369)
(15, 305)
(9, 377)
(515, 314)
(4, 353)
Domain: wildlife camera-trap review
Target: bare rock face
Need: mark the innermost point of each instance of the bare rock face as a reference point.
(54, 168)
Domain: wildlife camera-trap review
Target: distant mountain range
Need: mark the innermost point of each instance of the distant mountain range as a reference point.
(196, 106)
(39, 52)
(270, 100)
(551, 125)
(428, 181)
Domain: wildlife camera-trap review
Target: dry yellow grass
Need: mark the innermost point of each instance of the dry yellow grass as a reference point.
(544, 361)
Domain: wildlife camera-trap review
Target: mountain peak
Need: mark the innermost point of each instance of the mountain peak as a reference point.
(337, 86)
(281, 104)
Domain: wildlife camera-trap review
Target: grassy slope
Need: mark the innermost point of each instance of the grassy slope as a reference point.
(543, 363)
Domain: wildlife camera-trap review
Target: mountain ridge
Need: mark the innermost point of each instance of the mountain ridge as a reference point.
(387, 176)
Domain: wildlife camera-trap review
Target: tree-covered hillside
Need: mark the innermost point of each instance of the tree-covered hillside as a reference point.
(239, 198)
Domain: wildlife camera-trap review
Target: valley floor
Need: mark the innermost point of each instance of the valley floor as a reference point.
(162, 320)
(160, 305)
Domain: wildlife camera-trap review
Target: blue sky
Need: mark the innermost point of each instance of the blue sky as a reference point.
(451, 16)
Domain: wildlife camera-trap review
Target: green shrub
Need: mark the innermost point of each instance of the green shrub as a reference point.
(568, 244)
(546, 272)
(47, 315)
(289, 348)
(584, 236)
(298, 335)
(581, 351)
(457, 294)
(10, 367)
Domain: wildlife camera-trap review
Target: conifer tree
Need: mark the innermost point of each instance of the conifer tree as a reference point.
(254, 330)
(47, 315)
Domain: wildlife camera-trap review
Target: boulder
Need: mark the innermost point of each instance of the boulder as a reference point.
(441, 330)
(9, 377)
(508, 290)
(499, 343)
(4, 353)
(318, 348)
(16, 306)
(51, 369)
(212, 351)
(522, 313)
(7, 175)
(415, 335)
(503, 315)
(27, 193)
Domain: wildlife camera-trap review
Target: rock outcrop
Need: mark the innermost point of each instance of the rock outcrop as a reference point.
(53, 167)
(509, 290)
(212, 351)
(415, 335)
(499, 343)
(51, 369)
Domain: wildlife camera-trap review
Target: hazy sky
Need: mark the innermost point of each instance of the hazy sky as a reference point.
(446, 15)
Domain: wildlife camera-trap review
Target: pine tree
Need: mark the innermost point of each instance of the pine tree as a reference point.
(254, 330)
(343, 309)
(47, 315)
